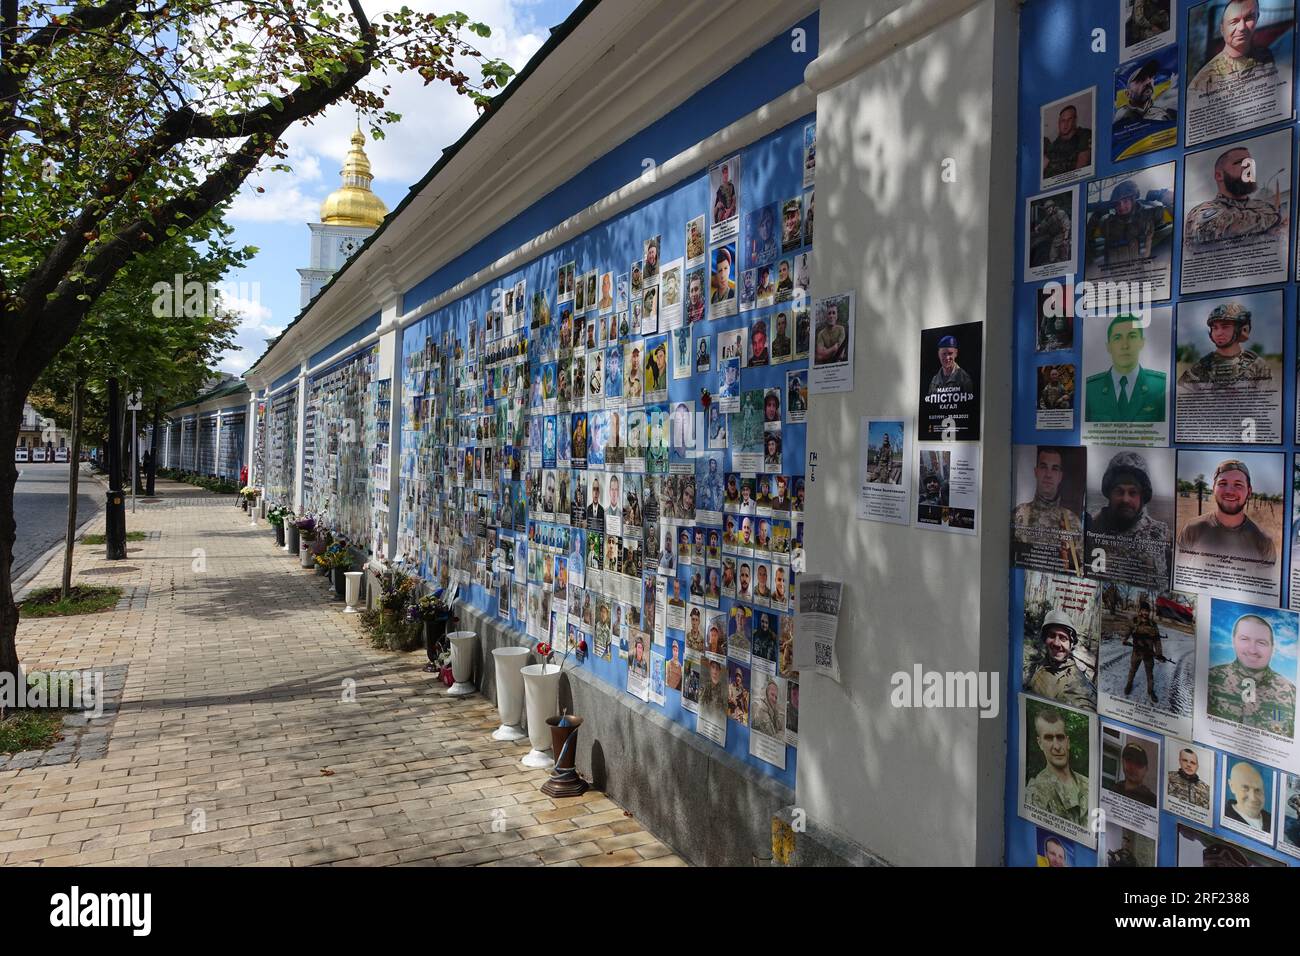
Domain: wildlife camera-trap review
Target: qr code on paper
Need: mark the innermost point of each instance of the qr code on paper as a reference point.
(823, 654)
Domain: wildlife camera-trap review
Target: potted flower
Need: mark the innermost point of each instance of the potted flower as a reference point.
(247, 496)
(395, 592)
(337, 559)
(277, 516)
(431, 611)
(541, 702)
(311, 532)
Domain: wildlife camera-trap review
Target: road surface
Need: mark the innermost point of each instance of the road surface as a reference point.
(41, 508)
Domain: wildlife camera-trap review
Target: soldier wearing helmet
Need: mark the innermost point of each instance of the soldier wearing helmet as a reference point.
(932, 491)
(1058, 676)
(1228, 530)
(1229, 363)
(1137, 544)
(1128, 228)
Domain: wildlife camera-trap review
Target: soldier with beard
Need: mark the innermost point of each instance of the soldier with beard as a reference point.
(1232, 213)
(1125, 524)
(1143, 105)
(1229, 363)
(1228, 530)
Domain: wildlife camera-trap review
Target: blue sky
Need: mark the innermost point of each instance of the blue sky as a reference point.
(266, 291)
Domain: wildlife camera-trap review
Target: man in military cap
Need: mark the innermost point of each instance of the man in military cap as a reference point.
(1185, 783)
(1144, 637)
(1229, 363)
(1045, 518)
(951, 377)
(723, 287)
(1051, 234)
(1126, 485)
(1240, 60)
(1056, 789)
(932, 491)
(1233, 213)
(1057, 676)
(1247, 691)
(1127, 229)
(1143, 105)
(1125, 392)
(768, 718)
(1072, 148)
(1228, 530)
(1134, 782)
(758, 354)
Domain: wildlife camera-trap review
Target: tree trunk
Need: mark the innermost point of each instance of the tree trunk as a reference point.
(11, 411)
(74, 473)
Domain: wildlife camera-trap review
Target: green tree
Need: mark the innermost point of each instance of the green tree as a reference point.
(125, 122)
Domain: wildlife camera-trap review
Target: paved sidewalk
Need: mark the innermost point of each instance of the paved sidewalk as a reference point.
(233, 744)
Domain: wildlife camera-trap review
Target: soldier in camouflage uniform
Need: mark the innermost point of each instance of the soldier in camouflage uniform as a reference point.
(1149, 18)
(1229, 363)
(1058, 676)
(1247, 691)
(1056, 789)
(1072, 148)
(1054, 394)
(1232, 213)
(1144, 637)
(1185, 784)
(1127, 487)
(1052, 233)
(1127, 228)
(1045, 518)
(1240, 61)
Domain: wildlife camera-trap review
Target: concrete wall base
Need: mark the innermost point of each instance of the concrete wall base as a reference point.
(797, 841)
(709, 807)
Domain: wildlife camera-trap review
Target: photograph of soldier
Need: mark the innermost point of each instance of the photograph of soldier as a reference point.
(1058, 768)
(833, 334)
(1148, 657)
(1127, 759)
(1230, 515)
(1229, 369)
(885, 452)
(1067, 126)
(1121, 846)
(1239, 55)
(1146, 105)
(1201, 849)
(792, 224)
(1050, 220)
(722, 285)
(768, 715)
(738, 693)
(1246, 790)
(1056, 667)
(1147, 24)
(780, 347)
(932, 489)
(713, 700)
(1130, 230)
(724, 208)
(695, 241)
(1126, 392)
(1053, 850)
(1054, 323)
(1047, 523)
(949, 404)
(695, 295)
(1236, 224)
(1056, 390)
(1250, 676)
(1129, 515)
(1188, 780)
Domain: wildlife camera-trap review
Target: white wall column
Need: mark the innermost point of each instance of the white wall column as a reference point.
(298, 438)
(390, 351)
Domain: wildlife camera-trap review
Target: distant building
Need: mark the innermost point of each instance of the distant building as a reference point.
(39, 439)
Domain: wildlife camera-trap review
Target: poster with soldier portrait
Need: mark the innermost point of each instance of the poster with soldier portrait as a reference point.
(1057, 783)
(1067, 127)
(1061, 616)
(1050, 219)
(1196, 848)
(724, 202)
(1053, 319)
(947, 485)
(1147, 661)
(1146, 105)
(1236, 219)
(884, 482)
(1146, 25)
(1125, 846)
(1126, 377)
(1246, 793)
(949, 404)
(1047, 522)
(1130, 765)
(1129, 515)
(1055, 406)
(1230, 517)
(1239, 66)
(831, 368)
(1246, 680)
(1187, 785)
(1228, 373)
(1130, 230)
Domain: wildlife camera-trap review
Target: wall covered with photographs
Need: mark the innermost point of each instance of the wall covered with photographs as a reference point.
(281, 447)
(1153, 636)
(340, 415)
(230, 454)
(606, 447)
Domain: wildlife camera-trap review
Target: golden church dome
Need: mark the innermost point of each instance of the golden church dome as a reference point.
(354, 204)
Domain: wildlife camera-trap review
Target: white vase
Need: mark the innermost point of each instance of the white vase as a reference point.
(352, 590)
(305, 557)
(462, 662)
(541, 700)
(510, 691)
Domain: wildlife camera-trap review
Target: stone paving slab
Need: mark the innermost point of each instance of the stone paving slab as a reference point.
(256, 727)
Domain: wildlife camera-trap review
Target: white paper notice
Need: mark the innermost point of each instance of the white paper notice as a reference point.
(884, 480)
(816, 624)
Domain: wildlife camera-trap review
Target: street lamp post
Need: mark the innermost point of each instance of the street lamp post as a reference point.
(115, 513)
